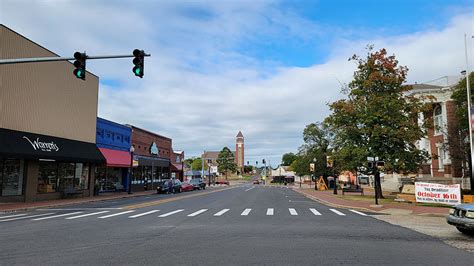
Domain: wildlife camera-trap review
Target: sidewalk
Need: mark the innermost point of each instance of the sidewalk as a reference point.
(327, 197)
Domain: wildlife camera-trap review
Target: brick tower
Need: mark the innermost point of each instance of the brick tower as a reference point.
(239, 152)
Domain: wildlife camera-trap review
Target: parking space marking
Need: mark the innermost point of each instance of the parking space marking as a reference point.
(292, 211)
(314, 211)
(85, 215)
(143, 214)
(337, 212)
(246, 212)
(270, 211)
(219, 213)
(360, 213)
(115, 214)
(56, 216)
(170, 213)
(197, 213)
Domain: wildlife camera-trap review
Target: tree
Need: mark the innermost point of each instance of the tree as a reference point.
(197, 164)
(458, 140)
(226, 162)
(377, 119)
(288, 158)
(317, 141)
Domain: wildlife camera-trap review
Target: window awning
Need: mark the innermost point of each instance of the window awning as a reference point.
(176, 167)
(116, 158)
(26, 145)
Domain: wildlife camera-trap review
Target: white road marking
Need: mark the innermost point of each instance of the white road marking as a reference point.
(170, 213)
(360, 213)
(292, 211)
(85, 215)
(219, 213)
(79, 209)
(270, 211)
(197, 213)
(10, 216)
(249, 189)
(314, 211)
(26, 217)
(246, 212)
(337, 212)
(56, 216)
(115, 214)
(143, 214)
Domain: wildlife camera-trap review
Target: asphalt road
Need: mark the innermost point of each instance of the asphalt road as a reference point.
(248, 224)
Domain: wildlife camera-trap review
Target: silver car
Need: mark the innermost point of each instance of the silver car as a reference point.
(462, 216)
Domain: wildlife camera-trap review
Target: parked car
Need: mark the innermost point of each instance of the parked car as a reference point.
(462, 216)
(163, 186)
(222, 182)
(197, 183)
(186, 186)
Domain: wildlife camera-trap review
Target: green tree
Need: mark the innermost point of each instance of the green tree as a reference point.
(317, 145)
(197, 164)
(377, 119)
(458, 137)
(226, 162)
(288, 158)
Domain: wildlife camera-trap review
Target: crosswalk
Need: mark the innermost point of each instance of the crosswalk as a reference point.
(134, 214)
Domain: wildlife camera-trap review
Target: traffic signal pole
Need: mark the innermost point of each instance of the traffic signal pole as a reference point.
(51, 59)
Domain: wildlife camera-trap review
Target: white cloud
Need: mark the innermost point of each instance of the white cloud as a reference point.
(197, 88)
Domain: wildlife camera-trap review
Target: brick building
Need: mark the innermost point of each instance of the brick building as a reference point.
(210, 157)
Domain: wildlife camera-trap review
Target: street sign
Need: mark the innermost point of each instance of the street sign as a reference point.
(329, 161)
(213, 169)
(311, 167)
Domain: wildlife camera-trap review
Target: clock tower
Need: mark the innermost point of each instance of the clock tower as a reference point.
(239, 152)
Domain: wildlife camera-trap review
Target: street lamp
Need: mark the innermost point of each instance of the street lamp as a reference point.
(314, 170)
(132, 150)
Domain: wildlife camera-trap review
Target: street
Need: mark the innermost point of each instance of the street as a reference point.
(243, 224)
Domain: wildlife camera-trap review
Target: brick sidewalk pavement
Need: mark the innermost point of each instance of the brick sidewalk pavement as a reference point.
(329, 198)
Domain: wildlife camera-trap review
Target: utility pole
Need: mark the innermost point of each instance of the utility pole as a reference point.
(469, 111)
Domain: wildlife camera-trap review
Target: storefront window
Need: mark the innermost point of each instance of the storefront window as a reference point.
(11, 177)
(48, 177)
(66, 175)
(84, 177)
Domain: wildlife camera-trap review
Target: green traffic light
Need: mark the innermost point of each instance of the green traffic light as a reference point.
(138, 71)
(79, 74)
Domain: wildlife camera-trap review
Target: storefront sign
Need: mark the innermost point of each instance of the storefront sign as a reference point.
(154, 149)
(438, 193)
(43, 146)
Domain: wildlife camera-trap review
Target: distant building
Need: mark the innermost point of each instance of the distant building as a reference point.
(210, 157)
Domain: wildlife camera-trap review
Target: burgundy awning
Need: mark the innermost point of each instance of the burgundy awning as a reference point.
(116, 158)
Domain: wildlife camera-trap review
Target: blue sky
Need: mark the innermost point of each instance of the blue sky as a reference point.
(267, 68)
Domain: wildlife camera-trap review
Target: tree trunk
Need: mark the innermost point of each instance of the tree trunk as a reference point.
(378, 185)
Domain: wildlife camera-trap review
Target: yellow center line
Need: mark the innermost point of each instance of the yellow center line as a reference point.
(161, 201)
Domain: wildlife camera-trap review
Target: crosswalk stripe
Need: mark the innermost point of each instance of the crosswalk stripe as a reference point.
(246, 212)
(314, 211)
(292, 211)
(270, 211)
(143, 214)
(197, 213)
(26, 217)
(85, 215)
(360, 213)
(171, 213)
(337, 212)
(115, 214)
(10, 216)
(219, 213)
(56, 216)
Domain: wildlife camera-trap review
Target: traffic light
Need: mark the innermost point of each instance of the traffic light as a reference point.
(263, 161)
(80, 64)
(139, 62)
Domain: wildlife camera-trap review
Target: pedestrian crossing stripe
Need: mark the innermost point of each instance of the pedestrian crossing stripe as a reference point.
(292, 211)
(245, 212)
(270, 211)
(170, 213)
(10, 216)
(314, 211)
(337, 212)
(197, 213)
(221, 212)
(86, 215)
(143, 214)
(56, 216)
(115, 214)
(26, 217)
(360, 213)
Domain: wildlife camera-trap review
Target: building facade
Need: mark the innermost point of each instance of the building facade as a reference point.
(47, 125)
(114, 141)
(177, 165)
(153, 153)
(210, 157)
(442, 141)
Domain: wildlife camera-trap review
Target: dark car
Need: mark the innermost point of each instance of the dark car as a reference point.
(164, 186)
(197, 183)
(462, 216)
